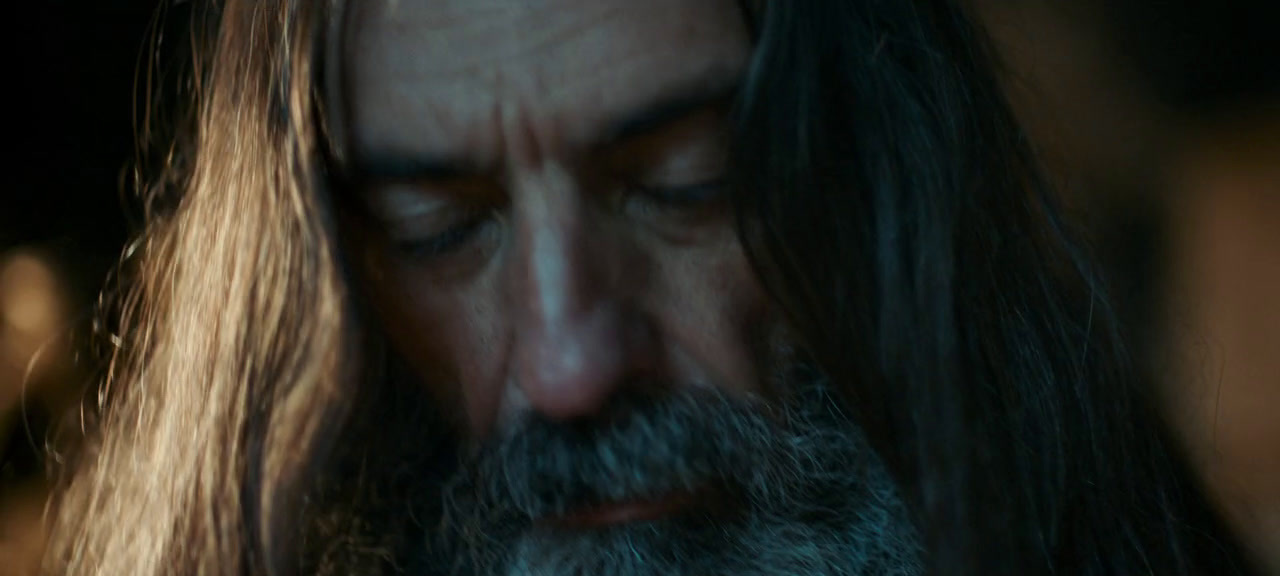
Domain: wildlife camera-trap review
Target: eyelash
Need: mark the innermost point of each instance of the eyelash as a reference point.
(448, 241)
(687, 196)
(691, 197)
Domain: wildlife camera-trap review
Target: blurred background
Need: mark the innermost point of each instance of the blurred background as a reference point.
(1159, 121)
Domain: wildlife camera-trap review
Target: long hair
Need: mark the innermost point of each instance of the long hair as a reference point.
(887, 200)
(235, 346)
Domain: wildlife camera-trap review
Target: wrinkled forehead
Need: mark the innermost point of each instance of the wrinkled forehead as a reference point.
(451, 77)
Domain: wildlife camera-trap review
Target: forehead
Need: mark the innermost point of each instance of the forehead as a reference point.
(449, 77)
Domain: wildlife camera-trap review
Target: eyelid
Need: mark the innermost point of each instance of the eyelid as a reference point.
(703, 187)
(701, 130)
(405, 214)
(684, 173)
(425, 197)
(451, 238)
(405, 201)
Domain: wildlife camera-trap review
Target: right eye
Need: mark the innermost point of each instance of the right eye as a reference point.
(428, 227)
(454, 237)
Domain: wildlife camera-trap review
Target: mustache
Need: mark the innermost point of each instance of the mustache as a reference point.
(646, 446)
(649, 448)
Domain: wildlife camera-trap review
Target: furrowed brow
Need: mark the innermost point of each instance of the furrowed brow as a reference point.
(668, 108)
(392, 166)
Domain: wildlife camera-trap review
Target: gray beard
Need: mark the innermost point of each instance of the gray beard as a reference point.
(803, 494)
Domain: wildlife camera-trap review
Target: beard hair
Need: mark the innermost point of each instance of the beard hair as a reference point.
(807, 493)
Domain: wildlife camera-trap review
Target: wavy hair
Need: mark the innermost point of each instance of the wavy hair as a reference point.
(884, 193)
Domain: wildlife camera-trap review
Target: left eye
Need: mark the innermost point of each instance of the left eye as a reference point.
(677, 213)
(694, 195)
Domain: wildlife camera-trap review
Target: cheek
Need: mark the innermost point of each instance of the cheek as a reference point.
(717, 316)
(448, 335)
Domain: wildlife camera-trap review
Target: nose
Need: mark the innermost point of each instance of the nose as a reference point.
(575, 345)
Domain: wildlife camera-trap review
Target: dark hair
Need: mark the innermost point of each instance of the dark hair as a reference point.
(892, 205)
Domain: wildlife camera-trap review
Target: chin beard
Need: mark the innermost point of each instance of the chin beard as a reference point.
(796, 488)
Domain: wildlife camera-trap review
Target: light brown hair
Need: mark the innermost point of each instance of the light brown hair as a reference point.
(235, 349)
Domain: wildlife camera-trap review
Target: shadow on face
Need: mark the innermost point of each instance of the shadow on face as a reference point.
(543, 222)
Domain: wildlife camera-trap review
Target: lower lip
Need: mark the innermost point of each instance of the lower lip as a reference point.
(625, 512)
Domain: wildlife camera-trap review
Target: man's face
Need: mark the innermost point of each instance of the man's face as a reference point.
(544, 180)
(550, 250)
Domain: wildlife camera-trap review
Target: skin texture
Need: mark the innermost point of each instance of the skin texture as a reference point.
(578, 263)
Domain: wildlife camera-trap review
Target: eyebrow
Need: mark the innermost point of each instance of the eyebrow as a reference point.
(665, 110)
(391, 166)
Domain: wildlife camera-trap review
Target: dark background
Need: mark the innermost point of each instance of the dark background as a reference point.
(69, 76)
